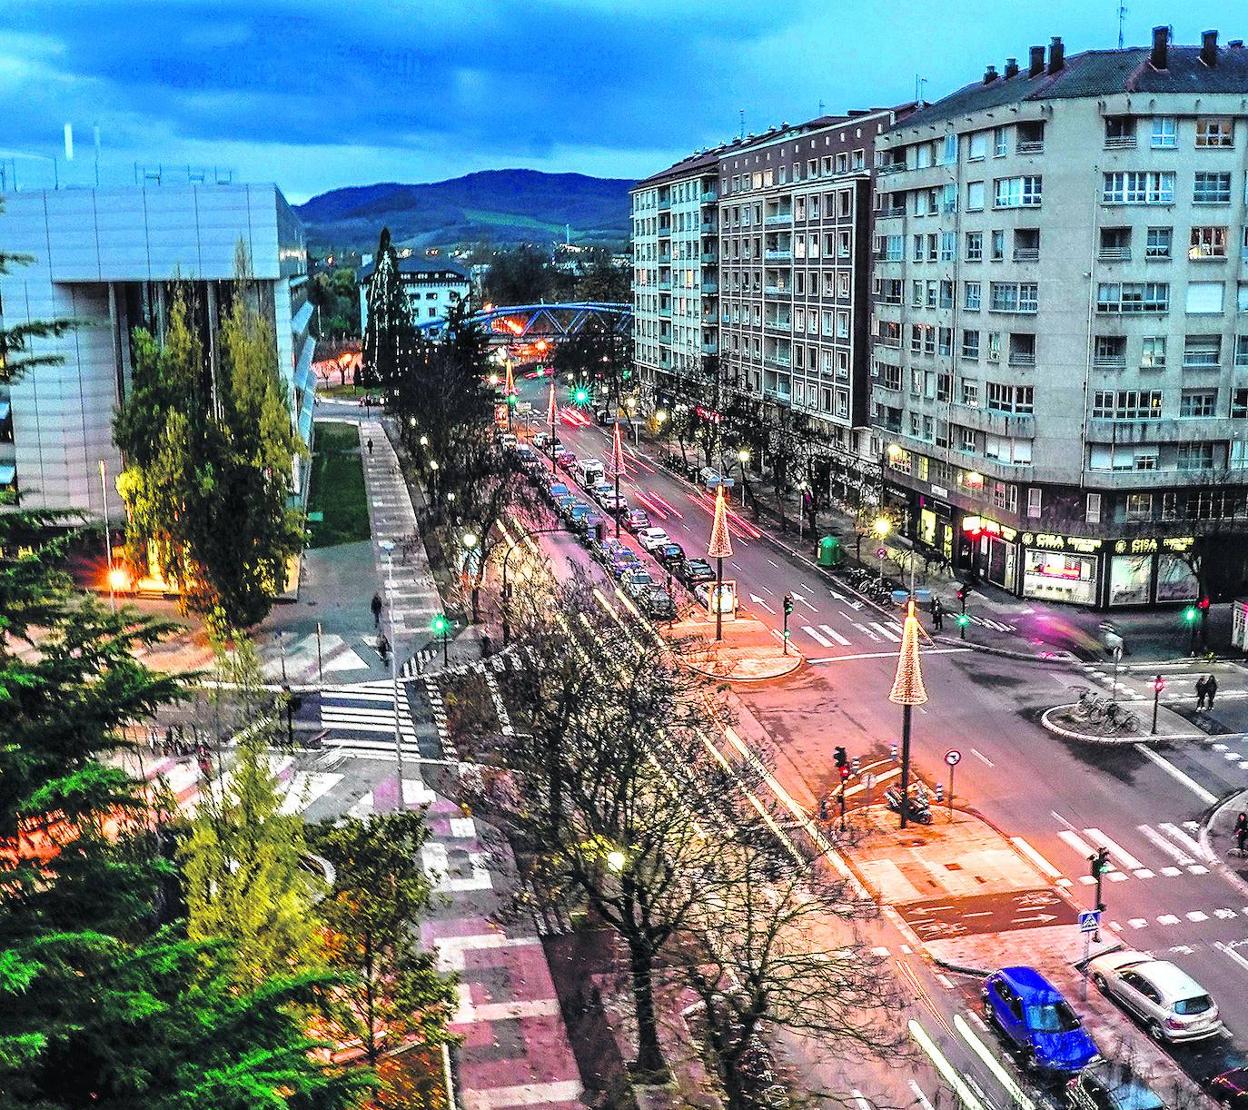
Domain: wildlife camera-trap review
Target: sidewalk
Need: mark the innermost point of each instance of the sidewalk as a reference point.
(748, 651)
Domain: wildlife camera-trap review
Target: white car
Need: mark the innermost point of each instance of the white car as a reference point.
(652, 538)
(1170, 1003)
(613, 504)
(726, 598)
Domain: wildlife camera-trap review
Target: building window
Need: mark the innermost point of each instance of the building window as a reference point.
(1159, 242)
(1207, 242)
(972, 290)
(1153, 352)
(1241, 350)
(970, 344)
(1013, 296)
(997, 241)
(1198, 402)
(1212, 188)
(1119, 131)
(967, 440)
(1127, 404)
(1017, 192)
(1195, 456)
(1165, 133)
(1215, 131)
(974, 246)
(1035, 502)
(1202, 352)
(974, 196)
(1239, 404)
(1011, 398)
(970, 392)
(1132, 297)
(1109, 352)
(1204, 297)
(948, 246)
(1138, 187)
(1000, 142)
(1139, 506)
(1092, 515)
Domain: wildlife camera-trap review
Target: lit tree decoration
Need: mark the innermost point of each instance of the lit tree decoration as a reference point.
(550, 408)
(615, 467)
(720, 546)
(509, 388)
(908, 686)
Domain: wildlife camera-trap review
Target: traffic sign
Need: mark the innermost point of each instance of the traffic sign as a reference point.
(953, 757)
(1089, 921)
(880, 552)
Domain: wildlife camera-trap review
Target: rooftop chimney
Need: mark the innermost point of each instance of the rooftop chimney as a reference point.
(1011, 68)
(1161, 39)
(990, 75)
(1236, 44)
(1209, 48)
(1037, 62)
(1057, 54)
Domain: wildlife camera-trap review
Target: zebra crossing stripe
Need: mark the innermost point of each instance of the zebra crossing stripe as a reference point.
(887, 633)
(827, 630)
(815, 636)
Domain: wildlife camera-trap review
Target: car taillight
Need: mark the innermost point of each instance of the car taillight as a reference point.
(1174, 1023)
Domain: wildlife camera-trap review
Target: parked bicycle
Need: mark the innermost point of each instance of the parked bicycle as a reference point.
(1121, 720)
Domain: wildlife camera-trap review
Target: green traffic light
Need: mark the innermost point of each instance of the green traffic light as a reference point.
(580, 395)
(440, 624)
(1190, 615)
(511, 400)
(963, 620)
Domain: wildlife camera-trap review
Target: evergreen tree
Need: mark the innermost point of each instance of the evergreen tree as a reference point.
(103, 1001)
(394, 994)
(389, 338)
(241, 862)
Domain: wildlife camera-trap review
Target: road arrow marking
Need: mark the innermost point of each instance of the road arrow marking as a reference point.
(762, 604)
(1041, 917)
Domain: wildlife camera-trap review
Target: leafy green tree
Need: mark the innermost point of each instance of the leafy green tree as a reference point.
(207, 478)
(103, 1000)
(603, 281)
(242, 861)
(393, 994)
(524, 275)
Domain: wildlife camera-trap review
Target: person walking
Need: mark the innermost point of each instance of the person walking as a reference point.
(938, 614)
(1241, 831)
(383, 649)
(1202, 684)
(370, 445)
(376, 603)
(1211, 688)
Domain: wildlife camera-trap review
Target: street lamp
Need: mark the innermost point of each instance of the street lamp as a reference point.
(469, 541)
(631, 404)
(616, 860)
(743, 457)
(908, 691)
(802, 487)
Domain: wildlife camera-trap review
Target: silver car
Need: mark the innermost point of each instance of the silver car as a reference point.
(1170, 1003)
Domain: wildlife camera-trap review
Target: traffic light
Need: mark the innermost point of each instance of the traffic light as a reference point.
(788, 608)
(580, 395)
(842, 760)
(1099, 862)
(1203, 605)
(844, 775)
(1191, 615)
(440, 625)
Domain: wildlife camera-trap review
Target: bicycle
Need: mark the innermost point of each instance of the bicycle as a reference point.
(1090, 706)
(1120, 720)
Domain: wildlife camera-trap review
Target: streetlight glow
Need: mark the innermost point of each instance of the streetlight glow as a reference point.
(743, 456)
(616, 860)
(882, 526)
(118, 579)
(469, 540)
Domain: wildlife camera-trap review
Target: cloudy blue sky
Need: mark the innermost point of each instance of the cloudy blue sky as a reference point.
(315, 94)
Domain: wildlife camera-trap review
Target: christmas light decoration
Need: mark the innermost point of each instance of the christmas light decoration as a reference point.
(615, 465)
(720, 546)
(908, 686)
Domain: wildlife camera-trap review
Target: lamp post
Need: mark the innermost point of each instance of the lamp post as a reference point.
(1159, 684)
(743, 457)
(469, 541)
(882, 526)
(720, 548)
(108, 536)
(801, 507)
(506, 586)
(908, 691)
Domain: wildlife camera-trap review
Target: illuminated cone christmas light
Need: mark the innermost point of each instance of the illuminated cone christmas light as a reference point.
(550, 416)
(509, 387)
(719, 549)
(615, 467)
(908, 691)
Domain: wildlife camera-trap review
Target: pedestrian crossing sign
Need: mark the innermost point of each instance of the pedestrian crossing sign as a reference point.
(1089, 921)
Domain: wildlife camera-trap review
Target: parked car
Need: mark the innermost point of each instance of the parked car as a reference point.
(669, 554)
(565, 460)
(1106, 1087)
(1230, 1089)
(693, 571)
(657, 603)
(525, 455)
(636, 519)
(613, 504)
(728, 601)
(589, 472)
(541, 440)
(563, 505)
(557, 490)
(507, 441)
(1170, 1003)
(577, 510)
(652, 538)
(607, 549)
(637, 581)
(599, 490)
(1032, 1015)
(586, 523)
(624, 560)
(709, 477)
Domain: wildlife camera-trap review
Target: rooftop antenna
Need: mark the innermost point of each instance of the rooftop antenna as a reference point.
(919, 84)
(1122, 19)
(821, 106)
(742, 113)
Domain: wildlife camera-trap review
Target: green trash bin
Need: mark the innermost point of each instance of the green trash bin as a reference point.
(830, 552)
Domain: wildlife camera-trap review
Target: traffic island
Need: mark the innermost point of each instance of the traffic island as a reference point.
(748, 652)
(1066, 721)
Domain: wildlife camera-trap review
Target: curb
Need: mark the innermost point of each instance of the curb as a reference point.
(1089, 738)
(758, 678)
(960, 969)
(1206, 823)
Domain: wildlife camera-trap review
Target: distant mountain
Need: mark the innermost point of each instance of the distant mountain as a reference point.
(501, 207)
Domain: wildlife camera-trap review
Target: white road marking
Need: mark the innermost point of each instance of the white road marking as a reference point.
(1074, 841)
(1172, 850)
(1035, 857)
(1226, 949)
(1117, 851)
(993, 1064)
(1167, 919)
(1224, 914)
(776, 565)
(861, 1099)
(1196, 915)
(827, 630)
(1138, 922)
(887, 633)
(1175, 833)
(946, 1069)
(880, 951)
(918, 1093)
(816, 637)
(982, 758)
(945, 981)
(887, 655)
(866, 631)
(1176, 774)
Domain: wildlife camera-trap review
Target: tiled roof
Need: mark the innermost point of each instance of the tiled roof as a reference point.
(416, 265)
(1097, 73)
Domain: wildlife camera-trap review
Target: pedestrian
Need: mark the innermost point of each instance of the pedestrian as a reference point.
(370, 445)
(1211, 688)
(1202, 684)
(1241, 831)
(938, 614)
(376, 610)
(383, 648)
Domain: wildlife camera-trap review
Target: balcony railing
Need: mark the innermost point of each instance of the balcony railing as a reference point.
(709, 227)
(885, 168)
(1026, 254)
(777, 290)
(1109, 362)
(778, 255)
(1114, 254)
(1030, 146)
(710, 286)
(1019, 358)
(886, 213)
(778, 219)
(1119, 142)
(1202, 362)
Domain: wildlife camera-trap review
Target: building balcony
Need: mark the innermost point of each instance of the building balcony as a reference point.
(1109, 362)
(709, 285)
(1015, 425)
(777, 290)
(665, 310)
(779, 360)
(1103, 430)
(709, 196)
(710, 227)
(665, 204)
(664, 286)
(887, 168)
(1022, 360)
(778, 255)
(710, 346)
(778, 219)
(890, 213)
(1026, 254)
(709, 258)
(1114, 254)
(1120, 142)
(780, 323)
(1029, 146)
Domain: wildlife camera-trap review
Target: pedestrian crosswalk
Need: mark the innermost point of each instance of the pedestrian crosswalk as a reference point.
(1166, 849)
(872, 632)
(361, 721)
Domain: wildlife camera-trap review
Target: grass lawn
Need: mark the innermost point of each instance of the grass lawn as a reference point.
(337, 487)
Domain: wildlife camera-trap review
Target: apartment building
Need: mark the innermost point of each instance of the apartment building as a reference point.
(109, 258)
(432, 286)
(675, 280)
(1060, 329)
(794, 281)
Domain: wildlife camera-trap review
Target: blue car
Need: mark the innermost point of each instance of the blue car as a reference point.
(1034, 1017)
